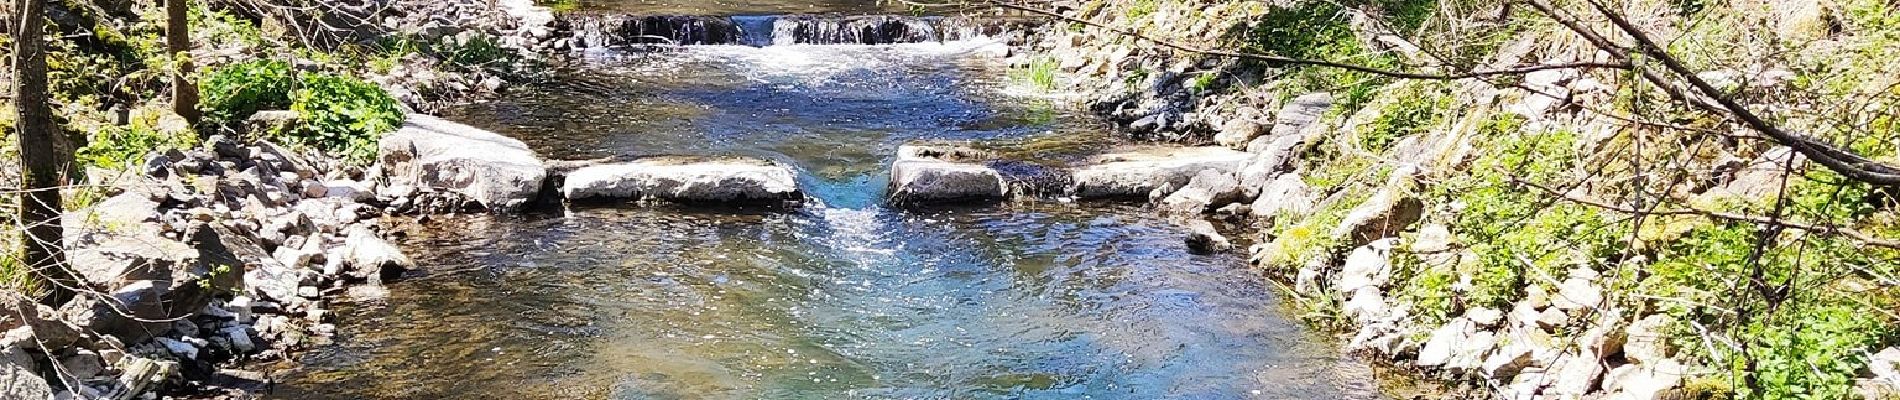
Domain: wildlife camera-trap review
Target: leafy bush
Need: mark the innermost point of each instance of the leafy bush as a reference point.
(341, 115)
(234, 92)
(344, 115)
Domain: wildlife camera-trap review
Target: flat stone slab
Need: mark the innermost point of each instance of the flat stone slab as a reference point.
(937, 174)
(1138, 171)
(497, 171)
(685, 179)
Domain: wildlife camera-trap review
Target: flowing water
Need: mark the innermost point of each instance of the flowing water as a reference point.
(842, 298)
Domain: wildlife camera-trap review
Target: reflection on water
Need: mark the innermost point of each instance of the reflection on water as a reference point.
(843, 299)
(1024, 302)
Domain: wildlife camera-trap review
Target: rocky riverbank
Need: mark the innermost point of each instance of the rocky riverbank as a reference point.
(202, 260)
(1380, 201)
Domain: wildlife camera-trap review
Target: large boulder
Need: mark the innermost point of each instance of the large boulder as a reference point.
(498, 172)
(1138, 172)
(686, 180)
(147, 275)
(930, 174)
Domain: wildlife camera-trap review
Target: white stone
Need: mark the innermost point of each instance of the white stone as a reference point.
(926, 181)
(1577, 294)
(685, 179)
(497, 171)
(1445, 342)
(1366, 266)
(1137, 172)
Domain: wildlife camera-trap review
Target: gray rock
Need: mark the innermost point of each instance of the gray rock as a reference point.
(1507, 361)
(1578, 294)
(1270, 160)
(1137, 172)
(347, 189)
(1575, 375)
(929, 174)
(17, 379)
(1237, 132)
(184, 350)
(1294, 117)
(1366, 266)
(685, 179)
(141, 374)
(1384, 215)
(1445, 343)
(495, 171)
(1210, 188)
(83, 364)
(1644, 382)
(1204, 239)
(1285, 195)
(370, 257)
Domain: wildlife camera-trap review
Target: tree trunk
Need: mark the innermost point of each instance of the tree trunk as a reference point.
(178, 45)
(39, 162)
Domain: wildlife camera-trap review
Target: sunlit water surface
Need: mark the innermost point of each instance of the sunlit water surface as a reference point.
(843, 298)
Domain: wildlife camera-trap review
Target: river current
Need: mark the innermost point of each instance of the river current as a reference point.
(842, 298)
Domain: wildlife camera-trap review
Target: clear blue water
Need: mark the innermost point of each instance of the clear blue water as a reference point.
(842, 299)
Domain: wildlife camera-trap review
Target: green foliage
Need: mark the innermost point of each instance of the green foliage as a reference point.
(342, 115)
(345, 115)
(1040, 74)
(1428, 288)
(1310, 238)
(1416, 110)
(479, 51)
(234, 92)
(1518, 234)
(1318, 30)
(117, 147)
(561, 5)
(1814, 353)
(1689, 7)
(1143, 8)
(1204, 82)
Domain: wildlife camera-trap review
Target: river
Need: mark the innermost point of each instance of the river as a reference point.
(840, 298)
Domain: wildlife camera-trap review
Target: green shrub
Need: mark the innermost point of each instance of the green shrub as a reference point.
(476, 51)
(344, 116)
(1415, 111)
(117, 147)
(232, 93)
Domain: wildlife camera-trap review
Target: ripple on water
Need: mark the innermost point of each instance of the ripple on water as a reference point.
(849, 300)
(1030, 302)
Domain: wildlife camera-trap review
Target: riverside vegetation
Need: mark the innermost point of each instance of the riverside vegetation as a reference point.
(1559, 233)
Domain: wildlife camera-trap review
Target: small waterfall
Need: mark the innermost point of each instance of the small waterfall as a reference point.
(607, 30)
(756, 30)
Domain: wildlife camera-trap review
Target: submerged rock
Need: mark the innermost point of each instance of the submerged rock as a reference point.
(1138, 172)
(498, 172)
(1204, 239)
(685, 179)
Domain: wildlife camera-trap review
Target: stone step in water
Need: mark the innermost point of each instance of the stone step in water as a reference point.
(619, 30)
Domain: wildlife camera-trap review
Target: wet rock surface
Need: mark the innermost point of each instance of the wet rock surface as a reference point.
(710, 180)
